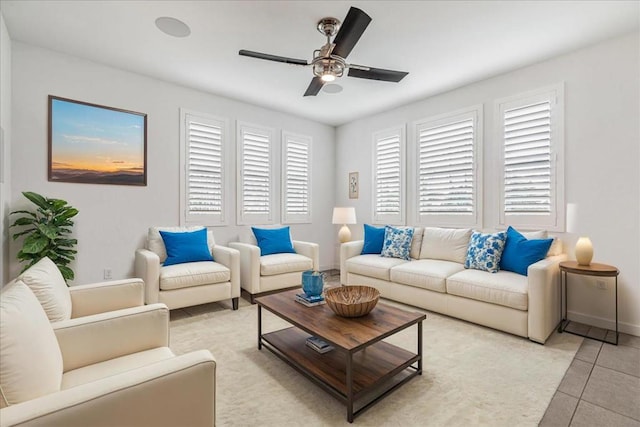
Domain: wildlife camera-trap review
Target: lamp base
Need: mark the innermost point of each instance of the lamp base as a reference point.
(344, 234)
(584, 251)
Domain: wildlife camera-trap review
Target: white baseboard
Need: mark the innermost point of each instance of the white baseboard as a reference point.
(601, 322)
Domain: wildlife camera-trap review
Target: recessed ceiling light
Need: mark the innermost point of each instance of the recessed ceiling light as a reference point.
(173, 27)
(332, 88)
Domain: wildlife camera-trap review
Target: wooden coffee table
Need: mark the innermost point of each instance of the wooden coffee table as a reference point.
(362, 369)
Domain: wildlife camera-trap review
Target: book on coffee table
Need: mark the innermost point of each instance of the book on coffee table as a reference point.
(318, 345)
(310, 301)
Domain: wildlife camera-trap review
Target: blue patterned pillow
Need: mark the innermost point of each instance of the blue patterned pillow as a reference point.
(485, 251)
(397, 242)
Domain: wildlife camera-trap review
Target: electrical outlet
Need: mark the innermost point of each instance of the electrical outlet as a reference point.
(107, 273)
(600, 284)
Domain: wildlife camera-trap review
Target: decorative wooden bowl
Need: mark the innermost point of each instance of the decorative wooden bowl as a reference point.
(352, 301)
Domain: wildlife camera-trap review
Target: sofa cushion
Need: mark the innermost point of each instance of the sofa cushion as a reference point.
(425, 273)
(271, 265)
(156, 244)
(186, 246)
(373, 240)
(46, 282)
(193, 274)
(416, 243)
(502, 288)
(397, 242)
(373, 266)
(520, 252)
(485, 251)
(448, 244)
(31, 362)
(115, 366)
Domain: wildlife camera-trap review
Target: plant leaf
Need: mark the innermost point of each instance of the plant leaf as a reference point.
(34, 244)
(36, 199)
(23, 221)
(67, 273)
(51, 231)
(69, 213)
(23, 212)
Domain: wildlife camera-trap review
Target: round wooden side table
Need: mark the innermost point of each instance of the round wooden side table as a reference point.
(593, 269)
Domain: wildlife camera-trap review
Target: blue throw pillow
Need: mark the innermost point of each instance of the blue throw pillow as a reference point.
(397, 242)
(274, 240)
(373, 240)
(485, 251)
(519, 252)
(188, 246)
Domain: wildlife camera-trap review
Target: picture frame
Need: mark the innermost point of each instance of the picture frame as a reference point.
(96, 144)
(353, 185)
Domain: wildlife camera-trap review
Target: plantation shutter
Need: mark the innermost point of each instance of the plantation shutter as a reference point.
(532, 176)
(256, 175)
(205, 170)
(296, 191)
(527, 159)
(446, 170)
(389, 177)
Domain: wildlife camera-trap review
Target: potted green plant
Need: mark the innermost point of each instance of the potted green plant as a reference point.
(47, 233)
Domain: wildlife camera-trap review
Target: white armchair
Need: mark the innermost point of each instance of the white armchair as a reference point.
(192, 283)
(108, 369)
(262, 275)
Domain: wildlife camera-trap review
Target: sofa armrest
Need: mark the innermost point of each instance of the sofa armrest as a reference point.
(544, 297)
(147, 267)
(249, 266)
(106, 296)
(308, 249)
(160, 394)
(348, 250)
(230, 258)
(92, 339)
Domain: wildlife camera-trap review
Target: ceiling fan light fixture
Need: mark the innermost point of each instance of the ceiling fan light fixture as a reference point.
(327, 77)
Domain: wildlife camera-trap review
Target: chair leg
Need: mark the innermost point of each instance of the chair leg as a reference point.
(234, 302)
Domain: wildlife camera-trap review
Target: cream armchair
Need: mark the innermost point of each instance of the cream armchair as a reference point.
(61, 302)
(108, 369)
(191, 283)
(262, 275)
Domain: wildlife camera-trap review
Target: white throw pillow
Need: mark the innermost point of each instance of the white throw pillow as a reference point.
(448, 244)
(416, 243)
(556, 246)
(31, 362)
(48, 285)
(156, 244)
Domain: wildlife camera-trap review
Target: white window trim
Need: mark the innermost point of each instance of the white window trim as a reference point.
(301, 139)
(556, 221)
(204, 219)
(256, 219)
(475, 220)
(399, 219)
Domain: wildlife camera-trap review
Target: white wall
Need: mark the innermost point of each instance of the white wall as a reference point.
(113, 220)
(5, 164)
(602, 153)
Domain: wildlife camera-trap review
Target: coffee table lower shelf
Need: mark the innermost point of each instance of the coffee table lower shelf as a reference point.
(376, 370)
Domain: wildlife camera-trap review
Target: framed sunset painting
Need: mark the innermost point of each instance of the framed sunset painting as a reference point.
(94, 144)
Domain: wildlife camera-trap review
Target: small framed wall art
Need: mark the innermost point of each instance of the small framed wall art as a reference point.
(94, 144)
(353, 185)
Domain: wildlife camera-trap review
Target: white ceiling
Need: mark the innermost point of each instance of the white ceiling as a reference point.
(443, 44)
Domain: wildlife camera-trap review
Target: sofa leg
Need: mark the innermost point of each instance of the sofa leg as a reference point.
(234, 302)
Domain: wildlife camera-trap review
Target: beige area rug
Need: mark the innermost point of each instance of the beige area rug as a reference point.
(472, 375)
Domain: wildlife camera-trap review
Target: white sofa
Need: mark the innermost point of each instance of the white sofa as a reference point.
(527, 306)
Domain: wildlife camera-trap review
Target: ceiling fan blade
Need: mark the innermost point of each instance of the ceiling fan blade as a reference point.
(350, 31)
(377, 74)
(276, 58)
(314, 87)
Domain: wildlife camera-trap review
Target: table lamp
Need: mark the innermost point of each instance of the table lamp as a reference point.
(584, 249)
(344, 216)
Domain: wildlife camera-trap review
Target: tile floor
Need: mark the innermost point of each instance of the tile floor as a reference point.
(600, 388)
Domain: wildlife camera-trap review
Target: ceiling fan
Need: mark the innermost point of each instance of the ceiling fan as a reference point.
(329, 61)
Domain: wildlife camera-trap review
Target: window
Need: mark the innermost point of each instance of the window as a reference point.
(255, 175)
(530, 129)
(296, 179)
(204, 179)
(389, 176)
(448, 172)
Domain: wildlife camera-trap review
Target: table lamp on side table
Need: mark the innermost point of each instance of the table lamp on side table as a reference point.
(344, 216)
(584, 247)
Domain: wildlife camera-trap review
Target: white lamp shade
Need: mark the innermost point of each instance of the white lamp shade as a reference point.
(344, 216)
